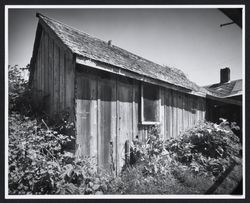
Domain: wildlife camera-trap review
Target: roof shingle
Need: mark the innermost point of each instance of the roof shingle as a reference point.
(228, 89)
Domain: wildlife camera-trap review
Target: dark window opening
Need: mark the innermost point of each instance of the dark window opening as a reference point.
(150, 103)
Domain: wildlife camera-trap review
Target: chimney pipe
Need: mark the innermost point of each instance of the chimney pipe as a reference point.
(224, 75)
(109, 42)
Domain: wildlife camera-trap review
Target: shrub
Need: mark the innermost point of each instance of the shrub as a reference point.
(206, 148)
(195, 159)
(34, 156)
(19, 92)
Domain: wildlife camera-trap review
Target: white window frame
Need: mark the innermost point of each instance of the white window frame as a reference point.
(142, 121)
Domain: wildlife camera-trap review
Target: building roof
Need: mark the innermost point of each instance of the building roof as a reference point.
(226, 90)
(84, 45)
(235, 14)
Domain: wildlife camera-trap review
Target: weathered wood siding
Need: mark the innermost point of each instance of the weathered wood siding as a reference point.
(107, 115)
(53, 77)
(181, 112)
(178, 111)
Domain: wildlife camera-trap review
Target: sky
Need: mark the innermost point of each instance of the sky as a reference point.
(188, 39)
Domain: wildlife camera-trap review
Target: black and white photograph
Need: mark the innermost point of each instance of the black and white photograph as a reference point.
(124, 101)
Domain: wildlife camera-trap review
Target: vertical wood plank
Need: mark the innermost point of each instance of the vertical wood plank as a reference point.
(107, 122)
(133, 103)
(34, 94)
(38, 74)
(113, 124)
(162, 113)
(98, 122)
(167, 114)
(125, 118)
(135, 108)
(56, 59)
(194, 110)
(191, 111)
(51, 78)
(46, 60)
(41, 67)
(199, 108)
(183, 111)
(34, 86)
(117, 126)
(69, 83)
(180, 124)
(83, 116)
(62, 76)
(175, 114)
(92, 144)
(188, 110)
(40, 78)
(171, 113)
(203, 109)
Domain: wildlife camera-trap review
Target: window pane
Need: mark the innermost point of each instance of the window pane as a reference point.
(150, 98)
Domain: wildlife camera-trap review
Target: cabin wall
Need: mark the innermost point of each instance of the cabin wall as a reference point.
(178, 112)
(53, 77)
(107, 115)
(181, 111)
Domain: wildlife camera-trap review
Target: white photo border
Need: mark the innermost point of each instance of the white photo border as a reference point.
(184, 196)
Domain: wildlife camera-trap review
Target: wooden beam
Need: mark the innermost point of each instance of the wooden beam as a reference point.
(225, 100)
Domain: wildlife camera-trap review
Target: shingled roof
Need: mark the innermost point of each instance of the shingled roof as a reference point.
(226, 90)
(95, 49)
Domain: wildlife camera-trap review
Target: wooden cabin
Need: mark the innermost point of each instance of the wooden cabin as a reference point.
(112, 95)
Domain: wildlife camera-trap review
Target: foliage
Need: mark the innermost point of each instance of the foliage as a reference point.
(19, 92)
(35, 155)
(195, 159)
(207, 148)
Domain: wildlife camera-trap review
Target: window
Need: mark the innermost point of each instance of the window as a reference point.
(150, 104)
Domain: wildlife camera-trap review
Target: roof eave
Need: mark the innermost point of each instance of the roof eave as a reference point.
(224, 100)
(123, 72)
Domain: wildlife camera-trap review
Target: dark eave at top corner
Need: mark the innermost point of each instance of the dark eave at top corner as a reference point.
(235, 14)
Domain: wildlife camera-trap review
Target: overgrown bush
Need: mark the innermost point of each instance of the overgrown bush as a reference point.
(194, 159)
(19, 92)
(35, 155)
(206, 148)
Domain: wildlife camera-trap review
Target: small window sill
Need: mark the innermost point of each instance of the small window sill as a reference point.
(149, 123)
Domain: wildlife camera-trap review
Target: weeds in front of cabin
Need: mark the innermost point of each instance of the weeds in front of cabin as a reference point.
(41, 160)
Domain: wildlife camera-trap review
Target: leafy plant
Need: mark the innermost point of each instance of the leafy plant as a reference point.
(206, 148)
(34, 156)
(19, 92)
